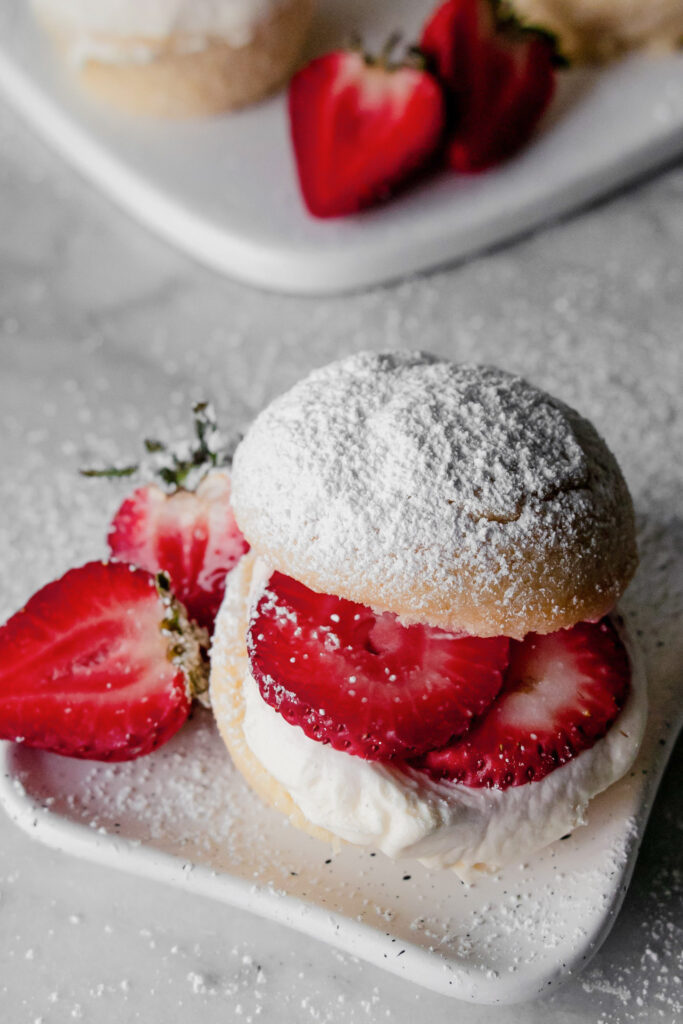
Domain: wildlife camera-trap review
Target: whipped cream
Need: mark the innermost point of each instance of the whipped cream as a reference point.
(113, 30)
(403, 812)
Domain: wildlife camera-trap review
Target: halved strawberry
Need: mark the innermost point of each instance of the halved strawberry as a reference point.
(362, 127)
(190, 532)
(100, 664)
(499, 77)
(191, 535)
(562, 692)
(363, 682)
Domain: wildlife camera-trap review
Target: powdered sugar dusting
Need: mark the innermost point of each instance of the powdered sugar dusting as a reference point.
(454, 493)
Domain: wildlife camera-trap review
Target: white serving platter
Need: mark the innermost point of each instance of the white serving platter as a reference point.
(224, 190)
(184, 816)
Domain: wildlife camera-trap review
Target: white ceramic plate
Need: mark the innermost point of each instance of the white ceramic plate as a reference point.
(224, 189)
(184, 816)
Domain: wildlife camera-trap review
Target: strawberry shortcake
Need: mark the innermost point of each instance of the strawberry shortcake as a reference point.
(602, 29)
(420, 652)
(178, 57)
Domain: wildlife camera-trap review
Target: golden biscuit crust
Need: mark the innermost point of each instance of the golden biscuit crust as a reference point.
(459, 496)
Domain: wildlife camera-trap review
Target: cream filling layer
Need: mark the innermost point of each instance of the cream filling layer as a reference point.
(406, 814)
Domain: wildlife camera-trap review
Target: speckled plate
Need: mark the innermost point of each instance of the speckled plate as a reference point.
(184, 816)
(224, 189)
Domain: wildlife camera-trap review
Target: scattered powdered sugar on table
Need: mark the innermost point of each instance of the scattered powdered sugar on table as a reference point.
(185, 794)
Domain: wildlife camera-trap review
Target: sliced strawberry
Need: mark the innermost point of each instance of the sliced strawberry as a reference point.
(361, 128)
(363, 682)
(499, 77)
(191, 535)
(187, 530)
(562, 692)
(99, 665)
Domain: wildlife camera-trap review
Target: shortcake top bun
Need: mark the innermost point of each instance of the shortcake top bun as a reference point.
(452, 495)
(602, 29)
(178, 57)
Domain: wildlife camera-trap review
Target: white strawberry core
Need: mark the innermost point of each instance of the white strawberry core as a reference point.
(376, 86)
(551, 685)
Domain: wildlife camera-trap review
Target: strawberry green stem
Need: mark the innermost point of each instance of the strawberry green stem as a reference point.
(412, 57)
(188, 643)
(182, 466)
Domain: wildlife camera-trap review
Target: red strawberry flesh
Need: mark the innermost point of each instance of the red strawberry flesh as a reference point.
(496, 131)
(562, 693)
(86, 671)
(363, 682)
(499, 79)
(191, 535)
(361, 130)
(456, 38)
